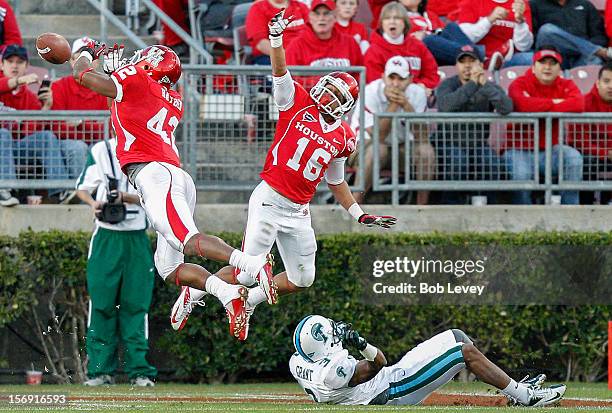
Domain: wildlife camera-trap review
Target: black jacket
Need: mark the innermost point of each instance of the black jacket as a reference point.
(453, 96)
(578, 17)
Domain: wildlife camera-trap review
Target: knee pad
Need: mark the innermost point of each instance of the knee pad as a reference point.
(461, 337)
(305, 277)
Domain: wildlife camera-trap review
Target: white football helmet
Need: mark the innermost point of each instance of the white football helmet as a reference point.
(329, 102)
(317, 337)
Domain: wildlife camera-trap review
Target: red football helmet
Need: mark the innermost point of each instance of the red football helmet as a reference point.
(336, 104)
(160, 62)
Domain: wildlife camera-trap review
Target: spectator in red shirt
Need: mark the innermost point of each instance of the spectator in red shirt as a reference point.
(321, 43)
(9, 29)
(503, 27)
(444, 8)
(177, 11)
(392, 39)
(345, 12)
(542, 89)
(75, 136)
(257, 20)
(594, 140)
(445, 43)
(31, 142)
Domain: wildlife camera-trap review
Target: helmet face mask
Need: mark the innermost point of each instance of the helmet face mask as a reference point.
(335, 94)
(317, 337)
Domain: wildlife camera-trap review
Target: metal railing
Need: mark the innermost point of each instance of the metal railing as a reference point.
(47, 149)
(489, 152)
(230, 120)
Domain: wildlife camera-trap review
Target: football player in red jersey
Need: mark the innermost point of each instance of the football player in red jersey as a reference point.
(311, 142)
(144, 113)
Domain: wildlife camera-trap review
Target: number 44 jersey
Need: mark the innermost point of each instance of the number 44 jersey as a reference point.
(304, 146)
(144, 116)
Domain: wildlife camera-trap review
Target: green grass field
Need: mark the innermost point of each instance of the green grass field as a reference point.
(255, 398)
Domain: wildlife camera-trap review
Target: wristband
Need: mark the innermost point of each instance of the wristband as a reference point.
(276, 41)
(86, 55)
(355, 211)
(370, 352)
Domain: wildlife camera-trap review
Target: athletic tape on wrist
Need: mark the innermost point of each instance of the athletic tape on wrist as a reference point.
(276, 41)
(86, 55)
(355, 211)
(370, 352)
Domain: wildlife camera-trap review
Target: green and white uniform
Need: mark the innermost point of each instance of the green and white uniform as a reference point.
(120, 275)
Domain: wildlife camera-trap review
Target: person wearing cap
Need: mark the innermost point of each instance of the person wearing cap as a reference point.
(594, 140)
(76, 135)
(463, 148)
(30, 141)
(321, 44)
(575, 27)
(392, 39)
(395, 92)
(542, 89)
(257, 20)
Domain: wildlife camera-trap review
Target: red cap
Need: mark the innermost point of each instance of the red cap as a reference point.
(541, 54)
(330, 4)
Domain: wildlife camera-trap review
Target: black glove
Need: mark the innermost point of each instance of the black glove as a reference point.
(353, 339)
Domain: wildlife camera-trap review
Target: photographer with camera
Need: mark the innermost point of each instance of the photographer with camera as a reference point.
(120, 271)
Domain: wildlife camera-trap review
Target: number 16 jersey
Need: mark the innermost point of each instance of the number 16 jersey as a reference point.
(144, 116)
(303, 147)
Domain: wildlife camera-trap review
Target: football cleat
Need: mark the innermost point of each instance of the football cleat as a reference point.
(245, 331)
(182, 309)
(236, 313)
(265, 278)
(534, 382)
(545, 396)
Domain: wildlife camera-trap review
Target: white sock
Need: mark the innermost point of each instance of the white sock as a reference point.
(245, 278)
(218, 288)
(245, 262)
(196, 294)
(517, 390)
(238, 259)
(256, 296)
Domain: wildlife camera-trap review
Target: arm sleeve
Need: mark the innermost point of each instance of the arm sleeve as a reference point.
(608, 18)
(284, 91)
(4, 87)
(476, 31)
(523, 37)
(12, 34)
(340, 374)
(596, 26)
(91, 177)
(497, 97)
(453, 100)
(418, 99)
(573, 102)
(334, 175)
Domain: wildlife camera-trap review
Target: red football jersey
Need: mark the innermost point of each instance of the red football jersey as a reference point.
(470, 11)
(144, 116)
(302, 151)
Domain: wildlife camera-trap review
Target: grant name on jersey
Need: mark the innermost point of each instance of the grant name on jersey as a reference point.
(303, 373)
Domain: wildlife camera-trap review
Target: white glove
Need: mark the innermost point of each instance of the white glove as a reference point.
(113, 59)
(278, 24)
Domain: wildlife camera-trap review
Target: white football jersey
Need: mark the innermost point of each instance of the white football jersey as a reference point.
(326, 381)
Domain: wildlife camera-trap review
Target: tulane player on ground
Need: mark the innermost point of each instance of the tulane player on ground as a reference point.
(329, 374)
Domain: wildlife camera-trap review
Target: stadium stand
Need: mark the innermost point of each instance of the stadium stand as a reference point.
(507, 76)
(584, 77)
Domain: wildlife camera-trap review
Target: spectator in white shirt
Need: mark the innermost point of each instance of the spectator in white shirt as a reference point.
(395, 92)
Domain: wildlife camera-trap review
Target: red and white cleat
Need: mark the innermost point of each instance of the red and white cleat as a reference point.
(245, 331)
(182, 309)
(236, 313)
(265, 278)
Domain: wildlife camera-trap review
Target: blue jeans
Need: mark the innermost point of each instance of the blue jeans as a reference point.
(477, 163)
(446, 46)
(45, 147)
(576, 51)
(75, 156)
(7, 158)
(521, 166)
(520, 59)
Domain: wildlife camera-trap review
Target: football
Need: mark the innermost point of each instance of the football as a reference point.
(53, 47)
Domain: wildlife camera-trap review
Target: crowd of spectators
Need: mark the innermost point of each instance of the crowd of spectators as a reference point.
(401, 50)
